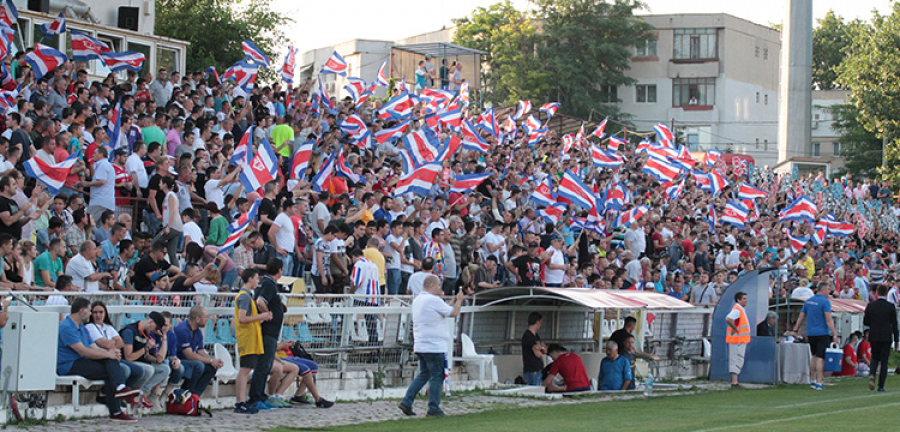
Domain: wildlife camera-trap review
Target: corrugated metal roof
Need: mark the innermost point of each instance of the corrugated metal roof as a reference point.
(653, 300)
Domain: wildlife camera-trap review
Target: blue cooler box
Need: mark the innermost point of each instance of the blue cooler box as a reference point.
(833, 358)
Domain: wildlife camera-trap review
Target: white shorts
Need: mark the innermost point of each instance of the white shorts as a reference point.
(736, 357)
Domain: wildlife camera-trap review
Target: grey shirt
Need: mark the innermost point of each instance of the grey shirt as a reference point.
(704, 295)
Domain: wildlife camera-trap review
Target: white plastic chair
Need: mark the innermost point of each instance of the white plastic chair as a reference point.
(470, 355)
(313, 317)
(227, 372)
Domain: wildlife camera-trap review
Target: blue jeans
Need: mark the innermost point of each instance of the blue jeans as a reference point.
(107, 370)
(229, 277)
(175, 375)
(197, 376)
(393, 281)
(261, 371)
(287, 261)
(532, 378)
(431, 371)
(140, 374)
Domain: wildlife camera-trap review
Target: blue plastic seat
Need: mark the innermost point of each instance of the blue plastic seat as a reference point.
(305, 335)
(224, 334)
(210, 335)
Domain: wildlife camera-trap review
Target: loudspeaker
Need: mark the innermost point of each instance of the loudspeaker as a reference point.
(39, 5)
(128, 18)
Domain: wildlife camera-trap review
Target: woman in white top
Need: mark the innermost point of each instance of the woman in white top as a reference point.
(29, 253)
(210, 282)
(106, 337)
(556, 262)
(172, 223)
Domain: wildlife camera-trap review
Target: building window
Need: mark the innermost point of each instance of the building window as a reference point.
(695, 44)
(766, 99)
(646, 93)
(167, 58)
(816, 150)
(765, 53)
(756, 51)
(693, 140)
(837, 148)
(693, 91)
(145, 50)
(765, 145)
(757, 97)
(52, 42)
(609, 94)
(757, 143)
(647, 49)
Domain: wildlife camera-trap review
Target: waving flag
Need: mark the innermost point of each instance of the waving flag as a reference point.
(422, 149)
(615, 142)
(663, 133)
(8, 13)
(532, 124)
(465, 183)
(262, 168)
(712, 157)
(53, 176)
(797, 243)
(568, 142)
(452, 117)
(335, 65)
(243, 74)
(702, 180)
(6, 38)
(356, 87)
(343, 170)
(43, 59)
(552, 213)
(451, 145)
(750, 192)
(7, 80)
(802, 209)
(615, 197)
(625, 219)
(300, 160)
(534, 136)
(673, 192)
(418, 181)
(58, 26)
(114, 129)
(242, 153)
(287, 68)
(717, 182)
(8, 98)
(685, 164)
(392, 133)
(838, 228)
(464, 93)
(819, 235)
(573, 189)
(237, 229)
(735, 214)
(436, 98)
(86, 48)
(399, 107)
(662, 152)
(663, 170)
(712, 219)
(523, 108)
(326, 170)
(123, 61)
(550, 109)
(604, 159)
(382, 78)
(543, 193)
(599, 131)
(472, 140)
(254, 53)
(488, 123)
(579, 136)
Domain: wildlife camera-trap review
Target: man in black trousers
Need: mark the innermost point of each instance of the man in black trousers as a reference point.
(881, 318)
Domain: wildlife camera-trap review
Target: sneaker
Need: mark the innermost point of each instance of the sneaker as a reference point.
(145, 402)
(262, 406)
(301, 400)
(244, 408)
(322, 403)
(881, 389)
(126, 392)
(436, 414)
(406, 410)
(122, 418)
(814, 386)
(820, 386)
(871, 383)
(278, 402)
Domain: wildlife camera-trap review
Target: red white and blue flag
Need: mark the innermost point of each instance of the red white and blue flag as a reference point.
(736, 214)
(262, 168)
(673, 191)
(451, 117)
(86, 48)
(325, 99)
(238, 227)
(664, 134)
(662, 152)
(51, 175)
(701, 179)
(335, 65)
(615, 197)
(802, 209)
(550, 109)
(8, 98)
(599, 131)
(532, 124)
(523, 108)
(625, 219)
(543, 193)
(605, 159)
(242, 153)
(419, 181)
(58, 26)
(712, 157)
(399, 107)
(615, 142)
(573, 189)
(717, 182)
(750, 192)
(356, 87)
(343, 170)
(287, 68)
(254, 53)
(552, 213)
(300, 160)
(661, 169)
(712, 219)
(9, 15)
(838, 228)
(420, 147)
(43, 59)
(472, 140)
(382, 78)
(488, 123)
(818, 236)
(326, 170)
(392, 133)
(243, 74)
(123, 61)
(797, 243)
(114, 129)
(6, 37)
(465, 183)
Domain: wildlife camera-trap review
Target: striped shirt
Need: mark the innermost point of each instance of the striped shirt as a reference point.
(365, 279)
(436, 251)
(122, 177)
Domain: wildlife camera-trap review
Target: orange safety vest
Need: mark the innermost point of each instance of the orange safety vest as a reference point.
(742, 334)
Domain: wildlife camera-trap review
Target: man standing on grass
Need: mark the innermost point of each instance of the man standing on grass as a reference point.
(881, 318)
(248, 332)
(431, 340)
(819, 332)
(737, 336)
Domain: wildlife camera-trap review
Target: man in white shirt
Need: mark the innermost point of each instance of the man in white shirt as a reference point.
(135, 166)
(320, 214)
(417, 280)
(635, 240)
(633, 269)
(493, 242)
(215, 186)
(102, 186)
(431, 343)
(191, 230)
(283, 236)
(81, 268)
(365, 282)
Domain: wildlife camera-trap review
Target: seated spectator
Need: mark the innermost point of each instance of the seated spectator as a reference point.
(78, 355)
(136, 347)
(307, 372)
(567, 366)
(864, 351)
(849, 363)
(199, 367)
(48, 266)
(615, 370)
(769, 326)
(170, 341)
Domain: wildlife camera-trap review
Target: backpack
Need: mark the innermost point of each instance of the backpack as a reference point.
(188, 406)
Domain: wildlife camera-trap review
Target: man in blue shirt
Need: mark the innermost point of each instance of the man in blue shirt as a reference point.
(199, 367)
(78, 355)
(615, 370)
(819, 331)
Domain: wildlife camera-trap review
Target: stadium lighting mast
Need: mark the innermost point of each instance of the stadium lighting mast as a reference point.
(795, 90)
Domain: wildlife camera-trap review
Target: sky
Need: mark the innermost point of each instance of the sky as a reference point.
(325, 23)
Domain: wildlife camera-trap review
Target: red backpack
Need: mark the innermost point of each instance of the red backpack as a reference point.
(190, 407)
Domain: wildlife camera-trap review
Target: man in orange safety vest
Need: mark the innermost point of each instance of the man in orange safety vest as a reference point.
(737, 336)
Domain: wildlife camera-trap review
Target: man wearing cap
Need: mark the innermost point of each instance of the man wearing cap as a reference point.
(137, 343)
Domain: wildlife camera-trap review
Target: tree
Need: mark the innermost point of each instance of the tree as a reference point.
(216, 28)
(587, 46)
(831, 40)
(860, 148)
(872, 71)
(511, 71)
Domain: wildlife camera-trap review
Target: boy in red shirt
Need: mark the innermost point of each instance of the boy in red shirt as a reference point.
(570, 367)
(848, 365)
